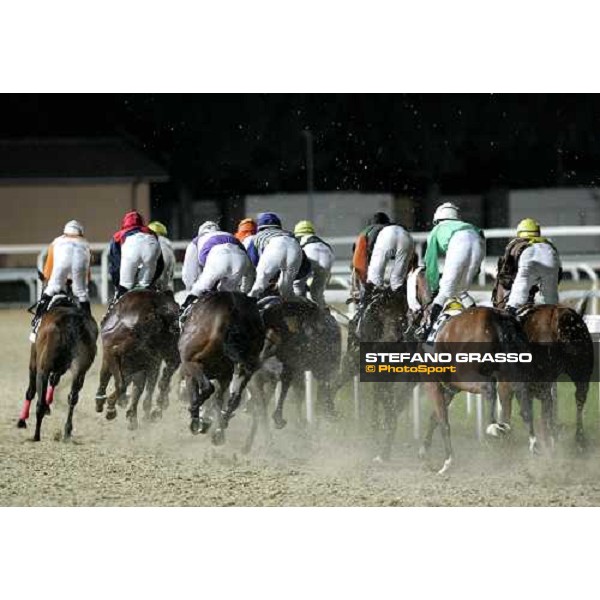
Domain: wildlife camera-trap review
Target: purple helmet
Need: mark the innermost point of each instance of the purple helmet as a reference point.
(268, 219)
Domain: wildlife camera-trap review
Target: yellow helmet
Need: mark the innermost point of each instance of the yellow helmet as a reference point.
(304, 228)
(528, 228)
(158, 228)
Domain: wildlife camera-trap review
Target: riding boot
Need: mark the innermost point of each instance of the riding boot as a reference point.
(512, 311)
(435, 312)
(40, 309)
(86, 308)
(189, 300)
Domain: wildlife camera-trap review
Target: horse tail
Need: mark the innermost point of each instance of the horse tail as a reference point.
(583, 304)
(238, 339)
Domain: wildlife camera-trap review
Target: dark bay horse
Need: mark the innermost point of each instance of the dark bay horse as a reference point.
(381, 318)
(299, 336)
(138, 334)
(66, 339)
(570, 352)
(221, 340)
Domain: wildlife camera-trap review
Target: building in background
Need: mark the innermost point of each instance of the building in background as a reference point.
(46, 182)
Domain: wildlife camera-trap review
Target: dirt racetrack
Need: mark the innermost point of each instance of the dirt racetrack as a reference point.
(329, 464)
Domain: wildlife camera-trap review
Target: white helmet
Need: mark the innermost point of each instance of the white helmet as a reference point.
(445, 211)
(207, 227)
(73, 228)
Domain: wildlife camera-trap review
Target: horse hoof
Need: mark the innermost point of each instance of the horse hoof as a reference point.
(494, 430)
(446, 466)
(199, 425)
(111, 413)
(218, 437)
(21, 424)
(156, 415)
(36, 438)
(279, 422)
(534, 447)
(99, 405)
(132, 424)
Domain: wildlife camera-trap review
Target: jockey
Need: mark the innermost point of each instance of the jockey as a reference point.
(274, 251)
(530, 263)
(215, 260)
(363, 250)
(395, 244)
(321, 258)
(464, 247)
(134, 254)
(68, 258)
(165, 281)
(246, 228)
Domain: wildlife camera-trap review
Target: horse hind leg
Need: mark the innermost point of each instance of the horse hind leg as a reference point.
(41, 389)
(151, 379)
(221, 418)
(29, 396)
(164, 383)
(390, 423)
(199, 388)
(78, 379)
(105, 376)
(581, 392)
(139, 381)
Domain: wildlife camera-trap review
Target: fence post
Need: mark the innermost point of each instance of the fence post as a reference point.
(416, 411)
(357, 411)
(310, 407)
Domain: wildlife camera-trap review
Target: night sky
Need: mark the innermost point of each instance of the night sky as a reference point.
(227, 145)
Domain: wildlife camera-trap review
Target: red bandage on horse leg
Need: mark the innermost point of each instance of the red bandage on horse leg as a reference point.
(49, 395)
(25, 410)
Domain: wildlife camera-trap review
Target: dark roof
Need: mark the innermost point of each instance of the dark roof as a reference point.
(75, 158)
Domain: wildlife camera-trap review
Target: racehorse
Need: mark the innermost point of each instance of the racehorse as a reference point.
(299, 336)
(66, 339)
(381, 318)
(139, 332)
(570, 351)
(477, 325)
(221, 340)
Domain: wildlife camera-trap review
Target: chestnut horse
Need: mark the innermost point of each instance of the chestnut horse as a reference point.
(138, 334)
(570, 352)
(221, 340)
(66, 339)
(476, 325)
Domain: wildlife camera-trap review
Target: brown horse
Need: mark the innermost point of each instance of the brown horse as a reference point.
(300, 337)
(476, 325)
(66, 339)
(570, 351)
(381, 318)
(138, 334)
(221, 340)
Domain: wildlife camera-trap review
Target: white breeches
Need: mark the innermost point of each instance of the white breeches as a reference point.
(465, 254)
(395, 244)
(71, 261)
(538, 265)
(227, 269)
(282, 256)
(139, 254)
(321, 259)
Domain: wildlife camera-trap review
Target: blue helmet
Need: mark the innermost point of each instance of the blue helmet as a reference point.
(268, 219)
